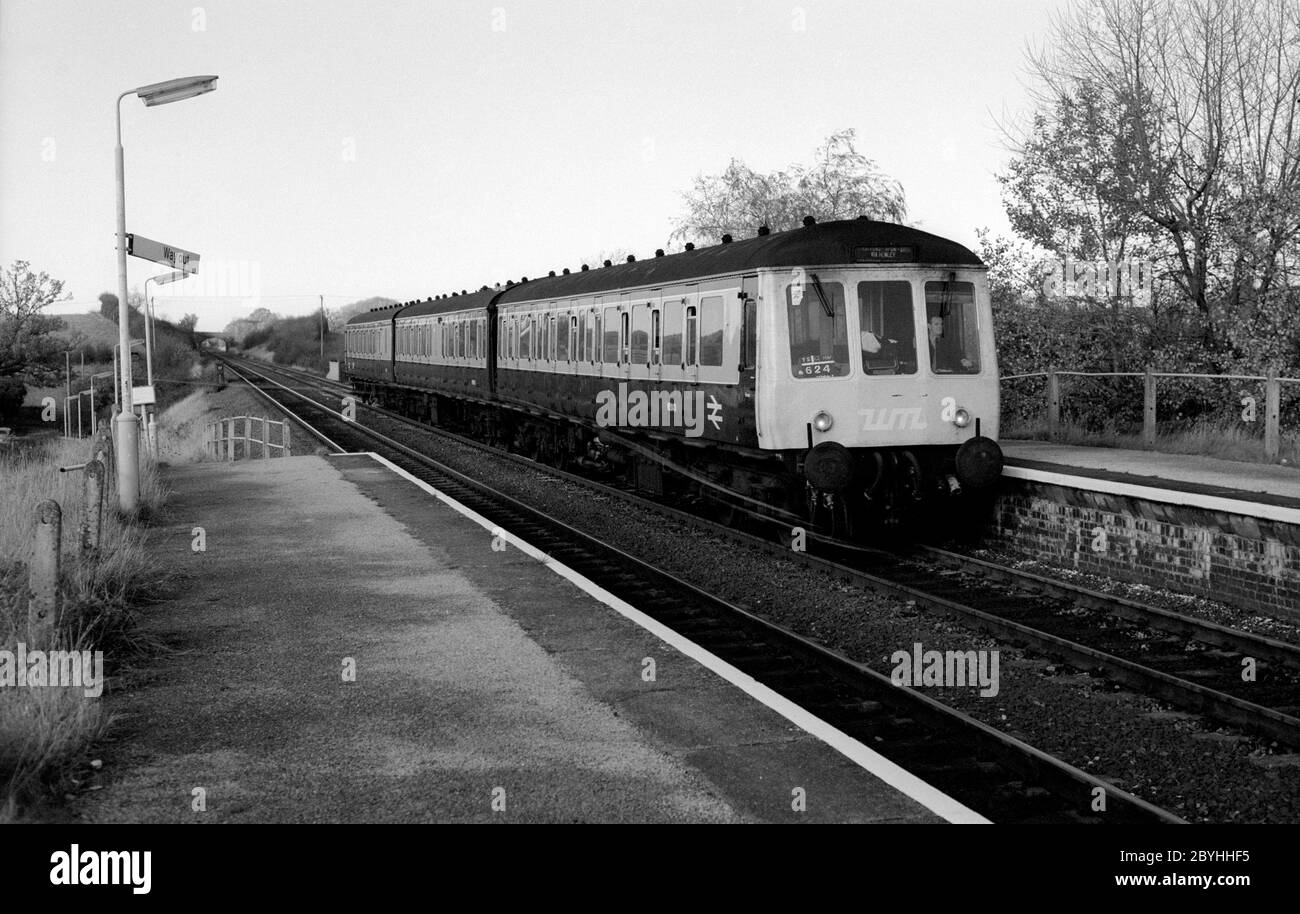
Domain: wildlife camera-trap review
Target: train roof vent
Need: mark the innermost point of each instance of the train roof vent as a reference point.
(726, 239)
(809, 221)
(690, 245)
(763, 230)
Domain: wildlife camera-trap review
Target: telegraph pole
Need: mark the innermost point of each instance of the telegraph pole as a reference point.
(322, 328)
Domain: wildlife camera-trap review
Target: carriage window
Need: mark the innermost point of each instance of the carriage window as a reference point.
(611, 335)
(952, 327)
(640, 347)
(566, 329)
(888, 330)
(473, 340)
(544, 338)
(625, 351)
(692, 335)
(580, 350)
(672, 333)
(819, 342)
(525, 338)
(597, 323)
(750, 336)
(656, 338)
(712, 319)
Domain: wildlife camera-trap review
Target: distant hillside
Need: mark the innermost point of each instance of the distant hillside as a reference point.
(259, 320)
(340, 316)
(87, 329)
(297, 341)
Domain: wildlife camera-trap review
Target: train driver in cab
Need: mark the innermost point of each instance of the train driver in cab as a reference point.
(946, 351)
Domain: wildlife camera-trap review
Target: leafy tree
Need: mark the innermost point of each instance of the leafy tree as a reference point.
(840, 183)
(1175, 121)
(29, 353)
(188, 322)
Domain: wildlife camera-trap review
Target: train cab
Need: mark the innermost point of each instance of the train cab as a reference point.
(881, 373)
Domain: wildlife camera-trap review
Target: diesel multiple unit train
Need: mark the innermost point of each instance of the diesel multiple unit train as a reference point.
(842, 373)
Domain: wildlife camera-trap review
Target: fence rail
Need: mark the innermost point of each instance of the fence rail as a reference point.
(222, 441)
(1271, 413)
(45, 608)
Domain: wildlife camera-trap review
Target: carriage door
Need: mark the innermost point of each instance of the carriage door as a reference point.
(691, 336)
(654, 339)
(748, 336)
(624, 335)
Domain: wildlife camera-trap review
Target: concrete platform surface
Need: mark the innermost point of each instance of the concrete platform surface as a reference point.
(1271, 484)
(487, 688)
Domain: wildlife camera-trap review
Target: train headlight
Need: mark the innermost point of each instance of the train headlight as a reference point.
(823, 421)
(961, 418)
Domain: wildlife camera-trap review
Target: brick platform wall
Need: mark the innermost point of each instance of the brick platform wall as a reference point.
(1243, 561)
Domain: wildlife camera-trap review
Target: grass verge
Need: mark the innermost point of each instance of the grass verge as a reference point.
(47, 732)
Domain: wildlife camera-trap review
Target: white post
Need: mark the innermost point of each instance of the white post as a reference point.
(128, 431)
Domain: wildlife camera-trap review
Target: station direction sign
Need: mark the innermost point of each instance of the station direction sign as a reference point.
(166, 254)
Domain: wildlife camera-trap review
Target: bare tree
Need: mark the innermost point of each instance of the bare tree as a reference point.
(840, 183)
(1203, 145)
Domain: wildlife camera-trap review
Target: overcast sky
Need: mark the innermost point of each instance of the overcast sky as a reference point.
(411, 148)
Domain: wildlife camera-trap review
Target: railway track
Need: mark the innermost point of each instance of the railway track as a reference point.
(1189, 662)
(1001, 777)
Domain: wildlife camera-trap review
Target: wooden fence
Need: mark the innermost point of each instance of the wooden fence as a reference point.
(1271, 412)
(44, 606)
(224, 441)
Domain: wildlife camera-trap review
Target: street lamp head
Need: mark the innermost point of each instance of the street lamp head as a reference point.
(175, 90)
(169, 277)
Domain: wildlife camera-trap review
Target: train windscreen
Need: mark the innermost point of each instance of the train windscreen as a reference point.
(886, 320)
(819, 342)
(952, 327)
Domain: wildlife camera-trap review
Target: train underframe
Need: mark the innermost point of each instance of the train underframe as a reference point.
(861, 493)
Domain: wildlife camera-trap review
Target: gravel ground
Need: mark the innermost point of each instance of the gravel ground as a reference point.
(1179, 761)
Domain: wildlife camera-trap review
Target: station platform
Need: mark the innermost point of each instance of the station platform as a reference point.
(1253, 489)
(487, 686)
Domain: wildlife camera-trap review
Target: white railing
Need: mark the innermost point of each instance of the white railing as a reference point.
(223, 440)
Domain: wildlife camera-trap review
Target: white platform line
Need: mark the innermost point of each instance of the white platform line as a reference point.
(895, 776)
(1165, 496)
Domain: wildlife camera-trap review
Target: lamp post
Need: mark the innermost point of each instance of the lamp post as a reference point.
(148, 315)
(128, 433)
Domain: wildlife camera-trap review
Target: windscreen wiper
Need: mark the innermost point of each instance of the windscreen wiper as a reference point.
(821, 294)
